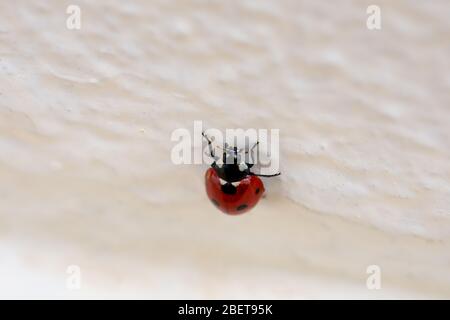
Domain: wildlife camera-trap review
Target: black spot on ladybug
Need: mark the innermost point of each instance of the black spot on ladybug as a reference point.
(215, 202)
(257, 191)
(228, 188)
(241, 207)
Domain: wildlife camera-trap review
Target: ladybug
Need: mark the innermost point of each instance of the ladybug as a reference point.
(230, 185)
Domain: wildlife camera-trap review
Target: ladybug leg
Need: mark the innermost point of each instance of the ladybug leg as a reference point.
(248, 153)
(264, 175)
(251, 149)
(249, 165)
(211, 150)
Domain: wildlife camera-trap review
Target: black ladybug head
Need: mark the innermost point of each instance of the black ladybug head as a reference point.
(231, 172)
(231, 168)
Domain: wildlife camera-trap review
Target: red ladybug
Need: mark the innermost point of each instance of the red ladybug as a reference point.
(231, 186)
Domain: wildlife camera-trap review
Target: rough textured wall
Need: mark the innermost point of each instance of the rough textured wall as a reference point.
(85, 172)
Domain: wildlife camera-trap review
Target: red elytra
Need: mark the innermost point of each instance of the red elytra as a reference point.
(247, 194)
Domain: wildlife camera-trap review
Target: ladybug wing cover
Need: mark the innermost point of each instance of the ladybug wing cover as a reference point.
(248, 193)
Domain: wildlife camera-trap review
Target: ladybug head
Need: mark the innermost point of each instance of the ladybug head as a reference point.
(230, 167)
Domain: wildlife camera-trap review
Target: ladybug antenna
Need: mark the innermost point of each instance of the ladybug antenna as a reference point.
(211, 150)
(251, 149)
(235, 149)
